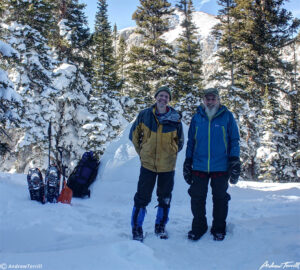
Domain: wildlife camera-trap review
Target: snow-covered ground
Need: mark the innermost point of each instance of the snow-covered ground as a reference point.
(263, 225)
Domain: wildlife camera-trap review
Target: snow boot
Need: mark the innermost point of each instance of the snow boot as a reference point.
(137, 219)
(196, 235)
(218, 234)
(162, 218)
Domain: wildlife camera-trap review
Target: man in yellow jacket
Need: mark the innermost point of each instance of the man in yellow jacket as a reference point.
(157, 137)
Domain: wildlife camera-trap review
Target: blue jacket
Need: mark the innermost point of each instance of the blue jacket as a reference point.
(212, 142)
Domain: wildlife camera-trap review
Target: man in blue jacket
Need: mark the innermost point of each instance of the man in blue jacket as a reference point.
(212, 154)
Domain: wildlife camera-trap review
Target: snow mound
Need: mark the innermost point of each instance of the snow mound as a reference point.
(95, 233)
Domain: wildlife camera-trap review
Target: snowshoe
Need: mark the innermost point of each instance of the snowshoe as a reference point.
(36, 185)
(218, 236)
(137, 234)
(160, 231)
(52, 182)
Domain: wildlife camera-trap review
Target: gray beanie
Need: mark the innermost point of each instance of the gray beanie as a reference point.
(163, 88)
(211, 91)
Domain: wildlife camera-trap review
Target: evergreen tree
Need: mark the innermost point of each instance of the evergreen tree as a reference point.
(253, 32)
(34, 13)
(10, 101)
(225, 34)
(150, 64)
(32, 78)
(188, 65)
(72, 41)
(115, 40)
(104, 66)
(106, 120)
(72, 112)
(121, 62)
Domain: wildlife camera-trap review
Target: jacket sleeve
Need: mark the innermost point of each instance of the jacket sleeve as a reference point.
(136, 134)
(180, 137)
(191, 140)
(234, 138)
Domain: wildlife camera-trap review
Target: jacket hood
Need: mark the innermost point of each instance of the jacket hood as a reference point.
(171, 116)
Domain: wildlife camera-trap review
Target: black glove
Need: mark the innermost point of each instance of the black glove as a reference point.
(187, 170)
(234, 169)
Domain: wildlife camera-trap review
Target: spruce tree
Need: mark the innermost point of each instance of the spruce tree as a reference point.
(150, 65)
(188, 64)
(106, 119)
(121, 62)
(10, 101)
(72, 40)
(251, 35)
(34, 13)
(224, 32)
(104, 65)
(262, 28)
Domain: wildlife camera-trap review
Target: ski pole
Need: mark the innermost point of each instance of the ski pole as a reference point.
(49, 137)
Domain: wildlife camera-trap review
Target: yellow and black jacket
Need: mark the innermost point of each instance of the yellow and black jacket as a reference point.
(157, 140)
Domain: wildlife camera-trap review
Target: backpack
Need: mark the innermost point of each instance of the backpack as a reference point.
(83, 175)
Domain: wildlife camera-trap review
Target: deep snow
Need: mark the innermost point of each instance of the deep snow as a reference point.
(263, 225)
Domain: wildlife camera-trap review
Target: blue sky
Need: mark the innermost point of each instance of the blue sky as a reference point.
(120, 11)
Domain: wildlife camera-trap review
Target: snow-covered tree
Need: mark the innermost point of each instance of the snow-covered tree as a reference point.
(72, 41)
(150, 64)
(104, 64)
(106, 120)
(32, 78)
(188, 64)
(10, 101)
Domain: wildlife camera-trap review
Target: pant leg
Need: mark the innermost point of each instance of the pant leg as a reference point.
(219, 185)
(165, 184)
(145, 188)
(198, 192)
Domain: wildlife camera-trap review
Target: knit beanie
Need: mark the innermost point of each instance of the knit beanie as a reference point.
(163, 88)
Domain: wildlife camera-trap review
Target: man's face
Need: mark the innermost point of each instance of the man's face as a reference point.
(211, 101)
(163, 98)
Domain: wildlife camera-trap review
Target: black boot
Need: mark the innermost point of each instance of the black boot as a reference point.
(137, 234)
(160, 231)
(137, 219)
(196, 234)
(218, 235)
(162, 218)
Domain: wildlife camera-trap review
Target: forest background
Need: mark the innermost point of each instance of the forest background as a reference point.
(91, 85)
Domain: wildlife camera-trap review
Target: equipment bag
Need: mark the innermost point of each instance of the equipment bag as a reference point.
(83, 175)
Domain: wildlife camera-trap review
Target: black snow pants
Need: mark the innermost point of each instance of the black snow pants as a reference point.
(198, 192)
(147, 179)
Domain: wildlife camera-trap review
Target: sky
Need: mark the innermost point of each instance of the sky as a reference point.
(120, 11)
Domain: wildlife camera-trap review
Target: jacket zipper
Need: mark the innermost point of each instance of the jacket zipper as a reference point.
(224, 138)
(196, 142)
(158, 124)
(209, 126)
(208, 161)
